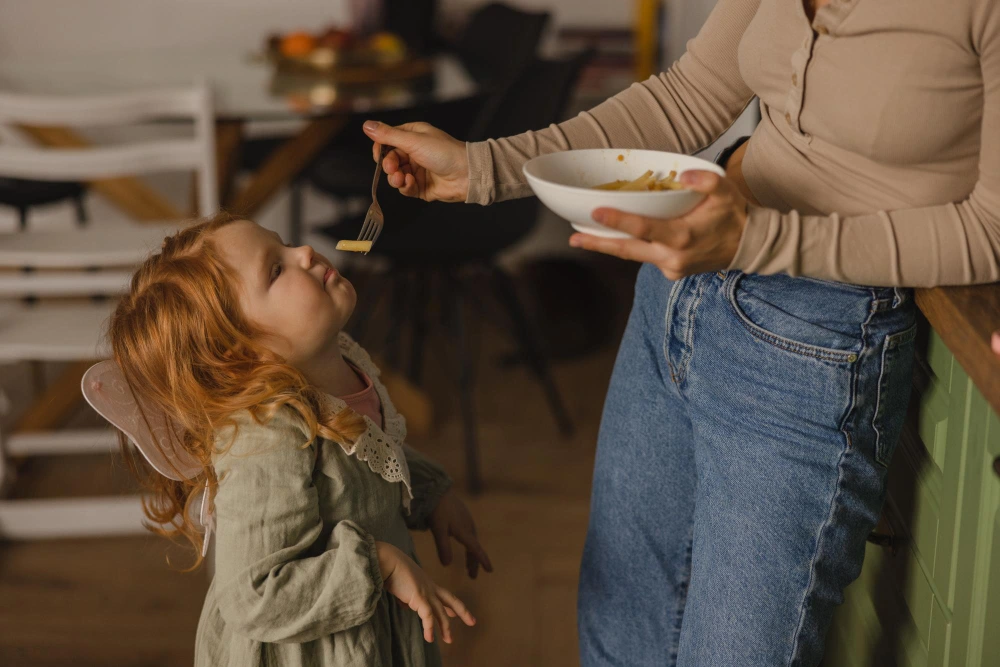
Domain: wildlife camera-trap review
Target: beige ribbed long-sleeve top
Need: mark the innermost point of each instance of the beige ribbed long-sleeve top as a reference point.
(877, 158)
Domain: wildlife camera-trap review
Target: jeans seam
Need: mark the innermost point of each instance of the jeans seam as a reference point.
(668, 325)
(811, 586)
(851, 404)
(682, 597)
(689, 335)
(890, 342)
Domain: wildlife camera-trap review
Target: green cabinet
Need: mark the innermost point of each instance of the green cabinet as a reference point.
(936, 600)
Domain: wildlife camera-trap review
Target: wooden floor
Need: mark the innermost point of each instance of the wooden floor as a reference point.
(118, 602)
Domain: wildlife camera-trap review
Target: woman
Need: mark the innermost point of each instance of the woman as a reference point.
(762, 380)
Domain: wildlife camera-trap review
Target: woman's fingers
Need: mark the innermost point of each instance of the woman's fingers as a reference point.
(634, 225)
(701, 180)
(995, 342)
(675, 233)
(451, 601)
(411, 186)
(630, 249)
(406, 137)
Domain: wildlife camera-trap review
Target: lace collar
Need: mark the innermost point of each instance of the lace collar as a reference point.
(381, 449)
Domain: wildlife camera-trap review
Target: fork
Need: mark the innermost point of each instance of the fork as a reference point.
(374, 220)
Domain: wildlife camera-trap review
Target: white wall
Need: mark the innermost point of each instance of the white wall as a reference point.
(68, 27)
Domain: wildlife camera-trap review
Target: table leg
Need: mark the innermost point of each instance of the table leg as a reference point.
(59, 399)
(129, 194)
(228, 139)
(284, 164)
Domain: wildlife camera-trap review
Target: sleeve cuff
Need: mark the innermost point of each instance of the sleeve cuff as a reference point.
(751, 250)
(482, 189)
(373, 567)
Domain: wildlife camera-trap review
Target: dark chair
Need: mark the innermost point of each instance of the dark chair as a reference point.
(495, 47)
(21, 194)
(423, 241)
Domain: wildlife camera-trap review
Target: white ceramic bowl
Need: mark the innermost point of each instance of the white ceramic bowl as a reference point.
(564, 182)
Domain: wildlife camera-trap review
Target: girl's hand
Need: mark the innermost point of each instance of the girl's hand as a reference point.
(704, 239)
(995, 343)
(451, 518)
(411, 585)
(426, 163)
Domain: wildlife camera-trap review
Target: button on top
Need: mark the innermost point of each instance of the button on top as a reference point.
(795, 79)
(823, 30)
(788, 118)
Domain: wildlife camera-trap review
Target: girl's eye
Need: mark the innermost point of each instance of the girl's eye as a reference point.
(275, 272)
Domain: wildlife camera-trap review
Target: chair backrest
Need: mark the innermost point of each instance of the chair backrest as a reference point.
(92, 163)
(413, 20)
(80, 262)
(539, 96)
(537, 99)
(463, 232)
(499, 41)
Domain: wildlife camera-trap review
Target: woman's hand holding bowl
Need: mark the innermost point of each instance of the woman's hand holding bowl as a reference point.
(703, 239)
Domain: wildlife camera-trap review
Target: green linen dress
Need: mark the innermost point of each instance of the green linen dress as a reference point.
(296, 580)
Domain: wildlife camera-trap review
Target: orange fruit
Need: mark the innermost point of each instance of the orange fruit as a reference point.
(297, 44)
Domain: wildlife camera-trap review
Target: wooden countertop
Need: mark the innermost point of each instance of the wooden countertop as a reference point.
(965, 318)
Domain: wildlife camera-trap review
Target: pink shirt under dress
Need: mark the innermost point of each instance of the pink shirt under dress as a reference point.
(365, 402)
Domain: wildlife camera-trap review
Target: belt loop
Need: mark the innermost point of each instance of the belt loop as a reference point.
(899, 297)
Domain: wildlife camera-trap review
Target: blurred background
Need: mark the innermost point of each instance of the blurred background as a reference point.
(497, 339)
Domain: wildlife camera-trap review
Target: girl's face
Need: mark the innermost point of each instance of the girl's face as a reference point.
(294, 293)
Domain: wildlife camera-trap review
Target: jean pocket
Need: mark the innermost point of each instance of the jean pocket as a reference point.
(894, 390)
(804, 318)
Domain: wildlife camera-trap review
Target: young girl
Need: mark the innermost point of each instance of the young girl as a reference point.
(238, 338)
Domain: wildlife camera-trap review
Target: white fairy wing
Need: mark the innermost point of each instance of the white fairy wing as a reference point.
(156, 435)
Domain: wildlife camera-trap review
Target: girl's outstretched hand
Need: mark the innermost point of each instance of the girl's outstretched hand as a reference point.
(425, 162)
(410, 584)
(451, 518)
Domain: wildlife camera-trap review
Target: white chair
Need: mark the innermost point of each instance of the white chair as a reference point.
(76, 265)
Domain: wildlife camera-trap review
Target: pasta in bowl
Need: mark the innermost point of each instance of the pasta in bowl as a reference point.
(574, 183)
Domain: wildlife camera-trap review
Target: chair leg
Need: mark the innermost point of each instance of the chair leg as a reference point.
(295, 212)
(530, 348)
(419, 303)
(466, 381)
(6, 469)
(22, 217)
(81, 211)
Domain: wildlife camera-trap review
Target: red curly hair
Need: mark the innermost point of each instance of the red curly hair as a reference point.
(183, 343)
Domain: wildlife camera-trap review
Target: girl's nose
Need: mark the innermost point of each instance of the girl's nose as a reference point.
(307, 254)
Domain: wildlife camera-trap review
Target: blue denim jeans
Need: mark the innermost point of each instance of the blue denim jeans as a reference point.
(741, 464)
